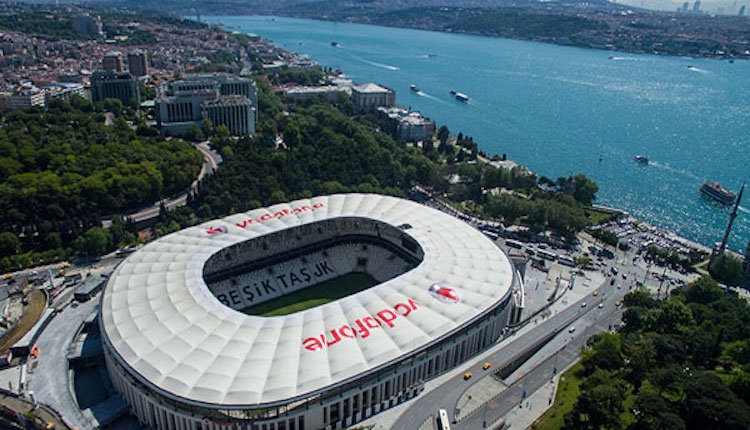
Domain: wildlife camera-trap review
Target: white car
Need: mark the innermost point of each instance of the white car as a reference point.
(601, 305)
(583, 305)
(571, 329)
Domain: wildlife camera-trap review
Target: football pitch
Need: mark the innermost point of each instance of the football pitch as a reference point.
(316, 295)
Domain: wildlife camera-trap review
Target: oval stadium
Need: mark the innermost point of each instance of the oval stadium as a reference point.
(312, 314)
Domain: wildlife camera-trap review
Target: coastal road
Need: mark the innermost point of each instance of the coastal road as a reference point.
(561, 352)
(449, 395)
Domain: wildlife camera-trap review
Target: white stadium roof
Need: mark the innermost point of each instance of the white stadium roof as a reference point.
(159, 316)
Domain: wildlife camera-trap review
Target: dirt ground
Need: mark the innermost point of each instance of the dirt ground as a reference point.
(32, 313)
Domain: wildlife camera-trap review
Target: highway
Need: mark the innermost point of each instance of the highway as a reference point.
(561, 350)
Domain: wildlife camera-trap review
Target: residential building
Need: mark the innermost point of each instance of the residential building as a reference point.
(373, 95)
(410, 126)
(63, 90)
(88, 25)
(236, 112)
(107, 84)
(113, 61)
(329, 92)
(225, 100)
(138, 63)
(22, 97)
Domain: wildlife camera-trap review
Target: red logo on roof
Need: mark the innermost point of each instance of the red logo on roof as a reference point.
(215, 230)
(444, 294)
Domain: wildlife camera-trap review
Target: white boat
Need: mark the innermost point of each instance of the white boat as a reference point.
(460, 96)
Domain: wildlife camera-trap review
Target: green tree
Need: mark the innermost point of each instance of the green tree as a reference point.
(8, 244)
(710, 404)
(222, 132)
(740, 385)
(605, 353)
(207, 126)
(585, 189)
(704, 290)
(599, 404)
(96, 241)
(655, 414)
(726, 268)
(193, 133)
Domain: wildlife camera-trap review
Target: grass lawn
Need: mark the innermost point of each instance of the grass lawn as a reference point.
(597, 217)
(565, 397)
(316, 295)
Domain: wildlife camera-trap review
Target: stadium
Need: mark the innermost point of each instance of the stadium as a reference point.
(199, 330)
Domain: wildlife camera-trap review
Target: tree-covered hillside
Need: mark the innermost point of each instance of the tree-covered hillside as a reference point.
(62, 170)
(680, 363)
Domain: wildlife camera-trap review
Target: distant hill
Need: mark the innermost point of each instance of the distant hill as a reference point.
(269, 7)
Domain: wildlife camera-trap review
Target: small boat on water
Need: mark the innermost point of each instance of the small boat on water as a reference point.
(460, 96)
(717, 193)
(414, 88)
(334, 43)
(431, 55)
(641, 159)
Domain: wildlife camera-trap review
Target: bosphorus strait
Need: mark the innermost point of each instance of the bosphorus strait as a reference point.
(561, 110)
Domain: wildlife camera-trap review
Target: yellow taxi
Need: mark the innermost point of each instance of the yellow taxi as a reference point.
(467, 376)
(618, 303)
(65, 265)
(486, 365)
(595, 293)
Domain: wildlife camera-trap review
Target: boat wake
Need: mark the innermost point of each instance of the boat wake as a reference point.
(673, 170)
(428, 96)
(743, 209)
(381, 65)
(695, 69)
(615, 58)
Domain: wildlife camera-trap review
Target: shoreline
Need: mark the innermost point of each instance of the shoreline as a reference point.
(704, 227)
(672, 45)
(662, 232)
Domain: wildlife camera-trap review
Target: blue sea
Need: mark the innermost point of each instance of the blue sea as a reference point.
(562, 110)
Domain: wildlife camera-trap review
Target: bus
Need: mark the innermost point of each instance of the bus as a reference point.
(490, 234)
(547, 255)
(443, 422)
(513, 243)
(566, 260)
(124, 252)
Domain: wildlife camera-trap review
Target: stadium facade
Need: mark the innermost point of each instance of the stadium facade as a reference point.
(181, 353)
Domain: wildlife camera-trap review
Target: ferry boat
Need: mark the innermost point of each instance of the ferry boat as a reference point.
(460, 96)
(414, 88)
(717, 193)
(641, 159)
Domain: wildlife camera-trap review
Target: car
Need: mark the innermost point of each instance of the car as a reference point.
(583, 305)
(601, 305)
(618, 303)
(486, 365)
(571, 329)
(624, 276)
(595, 293)
(467, 376)
(65, 265)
